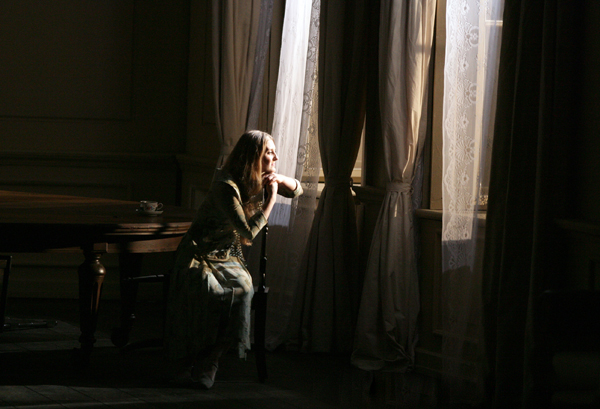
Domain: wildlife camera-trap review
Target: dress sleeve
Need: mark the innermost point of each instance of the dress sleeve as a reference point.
(285, 192)
(229, 200)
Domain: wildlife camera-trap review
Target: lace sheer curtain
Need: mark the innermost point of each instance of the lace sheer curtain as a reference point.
(386, 331)
(473, 33)
(295, 134)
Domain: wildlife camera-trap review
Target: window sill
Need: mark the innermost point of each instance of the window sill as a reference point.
(321, 186)
(430, 214)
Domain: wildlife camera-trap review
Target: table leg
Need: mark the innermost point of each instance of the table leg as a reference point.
(130, 266)
(91, 277)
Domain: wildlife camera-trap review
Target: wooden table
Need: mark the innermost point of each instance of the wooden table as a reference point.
(32, 223)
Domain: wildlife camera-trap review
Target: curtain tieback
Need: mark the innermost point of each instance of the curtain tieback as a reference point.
(338, 182)
(400, 187)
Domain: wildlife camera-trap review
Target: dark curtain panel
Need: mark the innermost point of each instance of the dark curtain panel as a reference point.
(240, 35)
(328, 292)
(535, 133)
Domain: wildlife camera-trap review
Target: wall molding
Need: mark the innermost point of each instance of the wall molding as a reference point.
(197, 174)
(88, 159)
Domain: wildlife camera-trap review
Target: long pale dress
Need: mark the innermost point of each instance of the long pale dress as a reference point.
(210, 287)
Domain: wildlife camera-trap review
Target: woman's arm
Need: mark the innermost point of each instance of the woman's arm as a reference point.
(288, 187)
(269, 202)
(230, 203)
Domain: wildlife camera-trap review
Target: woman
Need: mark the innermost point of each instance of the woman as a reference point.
(210, 288)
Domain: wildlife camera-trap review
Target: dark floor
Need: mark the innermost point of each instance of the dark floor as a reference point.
(36, 371)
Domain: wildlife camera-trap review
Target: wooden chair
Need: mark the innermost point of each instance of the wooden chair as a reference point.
(129, 285)
(5, 268)
(120, 335)
(259, 304)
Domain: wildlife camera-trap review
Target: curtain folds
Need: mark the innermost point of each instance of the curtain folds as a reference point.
(295, 134)
(260, 57)
(386, 331)
(237, 65)
(294, 95)
(326, 301)
(536, 128)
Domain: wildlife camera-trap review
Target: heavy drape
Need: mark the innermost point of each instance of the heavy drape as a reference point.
(528, 190)
(327, 296)
(386, 331)
(239, 44)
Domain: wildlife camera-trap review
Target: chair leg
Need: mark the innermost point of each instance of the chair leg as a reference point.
(3, 298)
(130, 266)
(260, 319)
(260, 310)
(6, 272)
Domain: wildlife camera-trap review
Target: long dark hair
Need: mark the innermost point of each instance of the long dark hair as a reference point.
(245, 163)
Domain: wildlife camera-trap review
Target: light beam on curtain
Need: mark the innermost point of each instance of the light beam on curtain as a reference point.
(260, 57)
(473, 29)
(386, 332)
(294, 89)
(295, 134)
(240, 36)
(326, 300)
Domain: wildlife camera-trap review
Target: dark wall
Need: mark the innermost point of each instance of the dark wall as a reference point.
(93, 102)
(587, 159)
(93, 76)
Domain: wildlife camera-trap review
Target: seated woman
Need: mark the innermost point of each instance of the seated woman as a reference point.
(211, 288)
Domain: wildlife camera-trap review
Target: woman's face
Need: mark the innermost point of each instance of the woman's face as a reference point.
(269, 158)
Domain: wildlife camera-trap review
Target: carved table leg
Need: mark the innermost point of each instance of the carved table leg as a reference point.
(130, 265)
(91, 277)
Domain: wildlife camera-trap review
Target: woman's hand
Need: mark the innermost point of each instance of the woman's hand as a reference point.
(271, 195)
(288, 183)
(271, 187)
(272, 177)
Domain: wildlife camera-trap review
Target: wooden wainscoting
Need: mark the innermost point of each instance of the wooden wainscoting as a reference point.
(196, 176)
